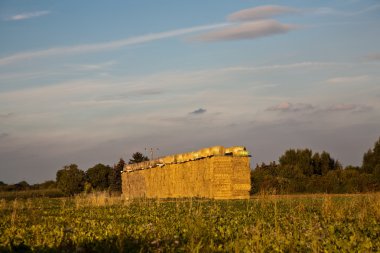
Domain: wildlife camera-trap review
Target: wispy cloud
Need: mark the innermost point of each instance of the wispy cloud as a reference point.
(28, 15)
(251, 23)
(290, 107)
(370, 8)
(92, 67)
(295, 65)
(97, 47)
(6, 115)
(348, 79)
(331, 11)
(3, 135)
(261, 12)
(69, 70)
(138, 93)
(328, 11)
(198, 111)
(301, 107)
(349, 108)
(250, 30)
(74, 69)
(232, 31)
(372, 57)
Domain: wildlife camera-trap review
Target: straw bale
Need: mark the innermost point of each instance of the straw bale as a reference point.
(217, 150)
(168, 159)
(195, 155)
(219, 177)
(205, 152)
(187, 157)
(179, 158)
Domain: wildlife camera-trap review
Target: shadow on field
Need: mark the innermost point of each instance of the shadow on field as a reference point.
(112, 244)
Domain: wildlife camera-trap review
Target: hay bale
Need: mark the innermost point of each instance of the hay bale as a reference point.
(218, 176)
(217, 150)
(205, 152)
(168, 159)
(179, 158)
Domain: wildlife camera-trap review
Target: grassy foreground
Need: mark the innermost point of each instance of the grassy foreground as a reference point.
(96, 223)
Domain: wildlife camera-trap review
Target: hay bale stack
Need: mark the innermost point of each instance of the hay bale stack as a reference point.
(215, 176)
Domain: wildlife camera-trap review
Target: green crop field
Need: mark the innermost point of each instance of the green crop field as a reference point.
(96, 223)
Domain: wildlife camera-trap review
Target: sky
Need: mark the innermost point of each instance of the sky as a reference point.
(90, 82)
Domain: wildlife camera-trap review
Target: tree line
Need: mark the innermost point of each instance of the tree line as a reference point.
(71, 179)
(297, 171)
(24, 186)
(302, 171)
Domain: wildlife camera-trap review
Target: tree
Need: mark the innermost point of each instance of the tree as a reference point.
(371, 159)
(3, 186)
(317, 164)
(376, 174)
(303, 160)
(50, 184)
(23, 185)
(300, 159)
(97, 176)
(328, 163)
(138, 158)
(70, 179)
(115, 176)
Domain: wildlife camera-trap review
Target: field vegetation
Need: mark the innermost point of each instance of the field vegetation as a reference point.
(82, 211)
(266, 223)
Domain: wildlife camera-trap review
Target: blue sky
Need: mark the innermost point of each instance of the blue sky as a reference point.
(89, 82)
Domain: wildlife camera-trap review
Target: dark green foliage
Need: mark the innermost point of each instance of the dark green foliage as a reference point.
(22, 186)
(371, 159)
(138, 158)
(70, 179)
(31, 193)
(304, 162)
(98, 177)
(299, 160)
(50, 184)
(115, 176)
(301, 171)
(350, 167)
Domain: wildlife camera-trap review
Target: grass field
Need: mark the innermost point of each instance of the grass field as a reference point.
(96, 223)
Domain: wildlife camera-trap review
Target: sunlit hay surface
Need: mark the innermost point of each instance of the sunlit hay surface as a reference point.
(265, 223)
(196, 178)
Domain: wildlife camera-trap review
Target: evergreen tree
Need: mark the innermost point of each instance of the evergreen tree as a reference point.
(115, 176)
(371, 159)
(138, 158)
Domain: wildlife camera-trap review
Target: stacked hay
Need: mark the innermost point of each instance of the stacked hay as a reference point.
(222, 183)
(215, 175)
(241, 177)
